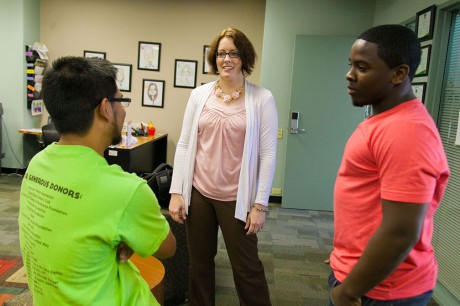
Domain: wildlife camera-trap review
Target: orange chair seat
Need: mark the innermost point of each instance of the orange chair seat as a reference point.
(153, 271)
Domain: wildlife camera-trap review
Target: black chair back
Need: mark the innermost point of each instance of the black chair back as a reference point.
(50, 134)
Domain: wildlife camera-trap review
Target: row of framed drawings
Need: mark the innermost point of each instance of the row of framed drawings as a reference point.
(185, 71)
(149, 54)
(424, 28)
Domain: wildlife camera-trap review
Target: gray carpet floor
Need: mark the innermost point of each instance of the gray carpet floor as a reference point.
(293, 245)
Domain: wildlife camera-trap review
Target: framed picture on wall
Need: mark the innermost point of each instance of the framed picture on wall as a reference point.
(153, 93)
(411, 25)
(149, 56)
(424, 66)
(419, 90)
(98, 54)
(185, 73)
(424, 23)
(123, 76)
(205, 61)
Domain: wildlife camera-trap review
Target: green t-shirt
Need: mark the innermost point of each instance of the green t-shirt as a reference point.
(74, 211)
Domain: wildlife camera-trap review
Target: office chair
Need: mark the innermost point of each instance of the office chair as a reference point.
(49, 134)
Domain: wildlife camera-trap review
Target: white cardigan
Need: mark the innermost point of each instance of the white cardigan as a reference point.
(259, 152)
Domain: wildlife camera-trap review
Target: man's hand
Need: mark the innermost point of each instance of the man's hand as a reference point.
(340, 299)
(400, 227)
(124, 252)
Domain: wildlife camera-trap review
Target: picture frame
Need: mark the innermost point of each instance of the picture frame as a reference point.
(149, 54)
(185, 73)
(153, 93)
(411, 25)
(206, 68)
(87, 53)
(36, 107)
(419, 89)
(424, 66)
(424, 23)
(124, 73)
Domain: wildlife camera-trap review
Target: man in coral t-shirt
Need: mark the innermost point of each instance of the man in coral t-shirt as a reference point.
(391, 180)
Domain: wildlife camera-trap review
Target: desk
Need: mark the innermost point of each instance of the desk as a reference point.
(32, 143)
(153, 271)
(141, 157)
(33, 131)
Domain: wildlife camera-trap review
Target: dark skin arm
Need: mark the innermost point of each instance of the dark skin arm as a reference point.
(166, 249)
(124, 252)
(388, 247)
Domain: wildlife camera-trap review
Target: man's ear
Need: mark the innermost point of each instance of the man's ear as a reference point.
(400, 74)
(104, 109)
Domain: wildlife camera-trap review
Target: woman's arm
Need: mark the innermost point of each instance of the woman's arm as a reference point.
(268, 135)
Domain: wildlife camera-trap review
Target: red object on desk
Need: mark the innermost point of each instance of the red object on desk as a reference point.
(151, 131)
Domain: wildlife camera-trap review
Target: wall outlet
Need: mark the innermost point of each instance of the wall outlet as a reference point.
(277, 191)
(280, 133)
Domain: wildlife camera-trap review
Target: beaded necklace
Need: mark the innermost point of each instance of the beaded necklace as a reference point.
(225, 96)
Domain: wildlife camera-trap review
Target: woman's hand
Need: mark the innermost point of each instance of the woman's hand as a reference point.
(177, 208)
(256, 219)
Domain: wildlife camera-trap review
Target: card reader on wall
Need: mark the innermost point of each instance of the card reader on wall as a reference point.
(295, 117)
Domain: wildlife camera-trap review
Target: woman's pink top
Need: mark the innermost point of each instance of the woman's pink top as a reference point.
(221, 132)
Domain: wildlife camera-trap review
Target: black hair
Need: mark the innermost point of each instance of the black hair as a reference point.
(396, 45)
(73, 87)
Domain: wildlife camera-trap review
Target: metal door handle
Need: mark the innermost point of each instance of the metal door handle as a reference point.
(297, 131)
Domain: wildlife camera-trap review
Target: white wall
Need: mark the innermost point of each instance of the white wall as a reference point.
(69, 27)
(397, 11)
(19, 26)
(182, 27)
(285, 19)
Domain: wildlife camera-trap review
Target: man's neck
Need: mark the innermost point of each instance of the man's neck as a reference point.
(401, 94)
(87, 141)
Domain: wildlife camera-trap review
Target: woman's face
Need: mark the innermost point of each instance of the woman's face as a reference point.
(120, 76)
(228, 67)
(152, 92)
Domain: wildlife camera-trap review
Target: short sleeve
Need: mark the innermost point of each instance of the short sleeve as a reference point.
(143, 227)
(409, 162)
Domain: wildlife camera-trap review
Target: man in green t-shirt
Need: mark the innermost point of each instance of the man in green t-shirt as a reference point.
(80, 218)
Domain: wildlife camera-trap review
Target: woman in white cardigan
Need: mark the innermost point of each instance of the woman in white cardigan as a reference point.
(223, 171)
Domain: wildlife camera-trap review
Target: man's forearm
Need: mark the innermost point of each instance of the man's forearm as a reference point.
(383, 254)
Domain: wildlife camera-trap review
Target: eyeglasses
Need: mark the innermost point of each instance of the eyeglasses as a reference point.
(223, 54)
(124, 101)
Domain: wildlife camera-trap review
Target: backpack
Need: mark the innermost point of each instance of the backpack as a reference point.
(160, 182)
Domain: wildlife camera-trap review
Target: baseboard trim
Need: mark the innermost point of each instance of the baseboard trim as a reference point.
(13, 170)
(272, 199)
(275, 199)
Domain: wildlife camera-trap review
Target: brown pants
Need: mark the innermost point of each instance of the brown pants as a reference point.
(205, 215)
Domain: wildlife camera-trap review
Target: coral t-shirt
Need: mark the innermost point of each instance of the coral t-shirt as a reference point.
(397, 156)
